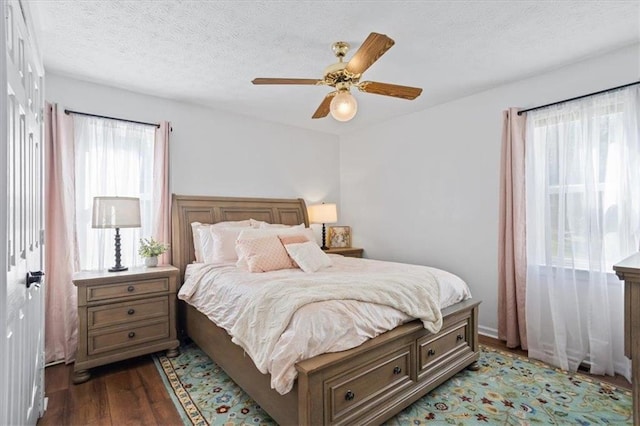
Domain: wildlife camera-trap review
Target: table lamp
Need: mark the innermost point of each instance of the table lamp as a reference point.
(323, 213)
(116, 212)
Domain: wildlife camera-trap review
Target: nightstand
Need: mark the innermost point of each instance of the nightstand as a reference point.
(346, 251)
(123, 315)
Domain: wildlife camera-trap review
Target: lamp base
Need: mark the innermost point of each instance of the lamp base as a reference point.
(324, 242)
(118, 267)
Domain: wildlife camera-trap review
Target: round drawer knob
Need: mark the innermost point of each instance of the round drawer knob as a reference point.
(131, 311)
(349, 395)
(431, 352)
(130, 288)
(459, 337)
(132, 334)
(397, 370)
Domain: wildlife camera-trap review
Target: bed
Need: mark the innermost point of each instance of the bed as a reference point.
(367, 384)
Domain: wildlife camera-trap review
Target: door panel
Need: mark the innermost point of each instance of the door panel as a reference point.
(22, 310)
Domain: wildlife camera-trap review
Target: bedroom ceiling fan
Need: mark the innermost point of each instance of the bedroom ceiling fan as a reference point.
(344, 75)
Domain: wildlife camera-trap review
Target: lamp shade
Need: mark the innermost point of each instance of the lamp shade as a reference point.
(116, 212)
(323, 213)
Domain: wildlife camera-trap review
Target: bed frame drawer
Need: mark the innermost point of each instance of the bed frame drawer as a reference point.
(357, 391)
(433, 350)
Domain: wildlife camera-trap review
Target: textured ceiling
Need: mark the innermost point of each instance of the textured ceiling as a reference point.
(207, 52)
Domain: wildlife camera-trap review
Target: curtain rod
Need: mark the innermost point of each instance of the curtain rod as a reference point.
(579, 97)
(68, 111)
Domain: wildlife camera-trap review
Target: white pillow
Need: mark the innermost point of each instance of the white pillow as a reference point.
(203, 235)
(250, 233)
(265, 225)
(257, 223)
(308, 256)
(197, 236)
(197, 243)
(224, 244)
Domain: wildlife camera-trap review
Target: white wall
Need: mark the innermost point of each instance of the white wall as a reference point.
(424, 188)
(218, 153)
(420, 189)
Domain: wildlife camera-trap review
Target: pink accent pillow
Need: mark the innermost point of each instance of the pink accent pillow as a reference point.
(264, 254)
(293, 239)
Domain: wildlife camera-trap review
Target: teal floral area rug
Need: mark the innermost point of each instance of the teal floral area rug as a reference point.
(506, 390)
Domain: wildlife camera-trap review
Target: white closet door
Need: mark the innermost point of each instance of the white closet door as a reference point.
(21, 296)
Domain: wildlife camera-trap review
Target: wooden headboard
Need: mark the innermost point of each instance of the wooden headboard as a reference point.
(191, 208)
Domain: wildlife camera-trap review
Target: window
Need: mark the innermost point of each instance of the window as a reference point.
(582, 216)
(112, 158)
(582, 204)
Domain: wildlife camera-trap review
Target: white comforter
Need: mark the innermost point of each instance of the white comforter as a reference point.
(280, 317)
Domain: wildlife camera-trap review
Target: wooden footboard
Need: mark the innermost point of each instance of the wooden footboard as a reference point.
(366, 384)
(216, 343)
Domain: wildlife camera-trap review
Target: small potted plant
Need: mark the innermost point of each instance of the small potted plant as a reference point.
(150, 249)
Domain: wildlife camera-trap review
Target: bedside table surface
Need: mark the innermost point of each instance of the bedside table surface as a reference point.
(134, 272)
(346, 251)
(341, 249)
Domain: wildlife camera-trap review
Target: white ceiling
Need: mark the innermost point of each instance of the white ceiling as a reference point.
(207, 52)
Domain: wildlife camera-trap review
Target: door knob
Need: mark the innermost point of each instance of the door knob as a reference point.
(34, 277)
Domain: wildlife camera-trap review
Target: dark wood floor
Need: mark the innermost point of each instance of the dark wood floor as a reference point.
(125, 393)
(132, 393)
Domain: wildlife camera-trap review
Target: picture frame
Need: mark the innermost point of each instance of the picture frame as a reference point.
(339, 237)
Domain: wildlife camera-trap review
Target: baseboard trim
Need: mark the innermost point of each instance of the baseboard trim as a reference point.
(487, 331)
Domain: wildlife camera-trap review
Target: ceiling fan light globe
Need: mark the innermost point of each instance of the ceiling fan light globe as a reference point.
(343, 106)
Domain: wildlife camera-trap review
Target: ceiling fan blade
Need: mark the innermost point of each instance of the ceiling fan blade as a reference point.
(373, 47)
(323, 109)
(310, 81)
(386, 89)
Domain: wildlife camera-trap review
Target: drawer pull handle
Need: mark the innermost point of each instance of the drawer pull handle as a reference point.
(349, 395)
(131, 311)
(459, 337)
(397, 370)
(130, 288)
(431, 352)
(132, 334)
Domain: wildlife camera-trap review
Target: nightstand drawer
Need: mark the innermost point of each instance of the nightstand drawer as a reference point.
(132, 288)
(126, 312)
(124, 337)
